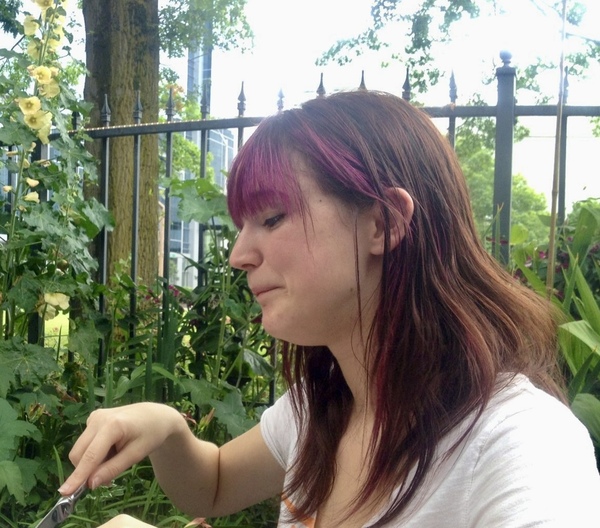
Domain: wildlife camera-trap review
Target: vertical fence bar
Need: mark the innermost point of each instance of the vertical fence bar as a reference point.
(168, 173)
(35, 323)
(167, 360)
(241, 106)
(452, 120)
(505, 122)
(137, 119)
(204, 110)
(562, 167)
(102, 240)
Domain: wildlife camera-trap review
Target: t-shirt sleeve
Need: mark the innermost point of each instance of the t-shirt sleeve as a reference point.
(536, 469)
(279, 430)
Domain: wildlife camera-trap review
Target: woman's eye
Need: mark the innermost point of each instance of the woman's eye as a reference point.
(272, 221)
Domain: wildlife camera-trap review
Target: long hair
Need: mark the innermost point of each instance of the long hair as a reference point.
(450, 321)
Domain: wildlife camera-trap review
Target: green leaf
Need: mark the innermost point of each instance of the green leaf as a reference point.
(30, 364)
(518, 234)
(586, 303)
(259, 365)
(11, 479)
(201, 210)
(12, 430)
(578, 340)
(83, 340)
(26, 292)
(201, 391)
(231, 413)
(587, 408)
(587, 225)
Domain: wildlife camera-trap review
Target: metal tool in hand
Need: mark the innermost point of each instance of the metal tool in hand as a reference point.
(62, 509)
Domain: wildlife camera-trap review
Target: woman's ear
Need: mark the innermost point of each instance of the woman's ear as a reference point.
(400, 208)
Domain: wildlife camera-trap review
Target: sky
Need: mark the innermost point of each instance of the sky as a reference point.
(291, 34)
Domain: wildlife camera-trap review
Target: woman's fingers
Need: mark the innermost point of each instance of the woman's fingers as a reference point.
(115, 439)
(109, 445)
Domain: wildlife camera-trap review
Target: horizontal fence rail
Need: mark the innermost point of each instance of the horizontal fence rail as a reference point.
(505, 112)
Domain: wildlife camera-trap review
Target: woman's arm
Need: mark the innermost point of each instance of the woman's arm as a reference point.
(197, 476)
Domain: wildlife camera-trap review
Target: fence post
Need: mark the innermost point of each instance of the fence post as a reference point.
(505, 122)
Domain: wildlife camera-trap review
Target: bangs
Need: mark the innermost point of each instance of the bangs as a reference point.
(263, 175)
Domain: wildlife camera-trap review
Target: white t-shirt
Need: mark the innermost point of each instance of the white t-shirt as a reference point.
(528, 462)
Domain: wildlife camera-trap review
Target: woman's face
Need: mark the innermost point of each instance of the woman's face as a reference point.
(302, 268)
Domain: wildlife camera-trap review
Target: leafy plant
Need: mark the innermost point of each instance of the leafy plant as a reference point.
(577, 293)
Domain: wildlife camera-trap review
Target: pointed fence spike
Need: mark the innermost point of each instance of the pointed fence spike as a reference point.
(241, 102)
(453, 89)
(321, 89)
(362, 85)
(170, 111)
(105, 112)
(406, 86)
(137, 109)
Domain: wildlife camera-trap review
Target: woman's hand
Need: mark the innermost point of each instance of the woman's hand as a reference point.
(115, 439)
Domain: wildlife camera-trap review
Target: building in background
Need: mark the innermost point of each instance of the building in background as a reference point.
(185, 237)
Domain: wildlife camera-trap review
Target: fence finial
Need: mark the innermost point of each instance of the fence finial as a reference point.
(406, 86)
(137, 109)
(453, 89)
(362, 85)
(505, 57)
(105, 112)
(321, 89)
(170, 111)
(241, 102)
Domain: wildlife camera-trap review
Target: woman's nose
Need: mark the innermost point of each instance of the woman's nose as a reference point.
(244, 254)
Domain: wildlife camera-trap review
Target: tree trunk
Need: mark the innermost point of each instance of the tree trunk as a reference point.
(122, 56)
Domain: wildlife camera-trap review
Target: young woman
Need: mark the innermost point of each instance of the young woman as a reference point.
(424, 389)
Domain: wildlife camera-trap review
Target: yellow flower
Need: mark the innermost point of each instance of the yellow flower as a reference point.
(44, 4)
(32, 196)
(26, 164)
(52, 89)
(7, 188)
(31, 182)
(41, 74)
(12, 153)
(34, 48)
(29, 105)
(58, 300)
(43, 134)
(47, 312)
(30, 25)
(56, 39)
(38, 120)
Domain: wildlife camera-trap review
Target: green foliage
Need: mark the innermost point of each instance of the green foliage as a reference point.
(475, 150)
(206, 23)
(8, 16)
(414, 33)
(577, 293)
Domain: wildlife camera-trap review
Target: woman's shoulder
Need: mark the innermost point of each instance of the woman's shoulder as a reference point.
(529, 455)
(518, 404)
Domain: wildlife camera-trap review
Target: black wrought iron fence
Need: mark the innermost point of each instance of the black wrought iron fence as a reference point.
(505, 112)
